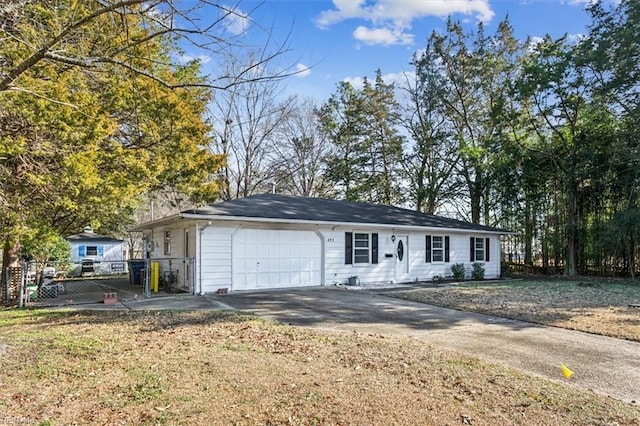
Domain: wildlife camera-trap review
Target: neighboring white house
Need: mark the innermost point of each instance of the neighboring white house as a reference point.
(269, 241)
(103, 251)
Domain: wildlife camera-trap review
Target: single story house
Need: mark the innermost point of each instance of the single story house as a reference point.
(107, 253)
(271, 240)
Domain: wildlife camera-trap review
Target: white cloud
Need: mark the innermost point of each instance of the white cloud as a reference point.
(533, 42)
(575, 38)
(382, 36)
(587, 3)
(572, 39)
(356, 82)
(345, 9)
(203, 59)
(302, 70)
(236, 21)
(399, 78)
(391, 19)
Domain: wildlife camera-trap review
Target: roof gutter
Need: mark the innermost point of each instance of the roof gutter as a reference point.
(330, 223)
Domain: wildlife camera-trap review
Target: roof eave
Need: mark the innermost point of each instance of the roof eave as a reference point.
(214, 217)
(155, 223)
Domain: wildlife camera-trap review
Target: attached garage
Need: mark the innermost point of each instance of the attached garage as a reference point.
(269, 258)
(277, 241)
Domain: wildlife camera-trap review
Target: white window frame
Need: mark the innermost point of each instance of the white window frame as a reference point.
(434, 249)
(361, 249)
(479, 249)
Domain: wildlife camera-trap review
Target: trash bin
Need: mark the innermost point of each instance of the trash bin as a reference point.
(135, 271)
(49, 292)
(32, 292)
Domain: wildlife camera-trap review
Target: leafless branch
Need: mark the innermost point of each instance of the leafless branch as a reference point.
(163, 19)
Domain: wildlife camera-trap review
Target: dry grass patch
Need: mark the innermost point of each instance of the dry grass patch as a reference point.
(226, 368)
(593, 306)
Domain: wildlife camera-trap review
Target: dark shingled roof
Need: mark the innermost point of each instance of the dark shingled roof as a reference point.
(90, 236)
(286, 207)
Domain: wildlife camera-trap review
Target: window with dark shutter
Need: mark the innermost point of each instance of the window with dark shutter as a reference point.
(374, 248)
(478, 252)
(446, 249)
(486, 250)
(428, 248)
(437, 248)
(348, 248)
(361, 248)
(472, 249)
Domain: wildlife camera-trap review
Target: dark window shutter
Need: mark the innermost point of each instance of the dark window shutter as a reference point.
(486, 250)
(82, 250)
(472, 251)
(348, 248)
(428, 248)
(374, 248)
(446, 249)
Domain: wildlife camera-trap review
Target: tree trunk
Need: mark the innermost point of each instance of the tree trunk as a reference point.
(10, 253)
(476, 198)
(571, 238)
(528, 233)
(632, 257)
(420, 196)
(545, 252)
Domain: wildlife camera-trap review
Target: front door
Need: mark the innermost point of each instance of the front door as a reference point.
(402, 259)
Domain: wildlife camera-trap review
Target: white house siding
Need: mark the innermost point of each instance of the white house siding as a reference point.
(215, 258)
(111, 251)
(212, 248)
(337, 272)
(180, 258)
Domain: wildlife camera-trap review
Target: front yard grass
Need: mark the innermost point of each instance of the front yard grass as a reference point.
(208, 367)
(610, 308)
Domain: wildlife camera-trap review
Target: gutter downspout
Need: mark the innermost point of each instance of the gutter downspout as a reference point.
(199, 234)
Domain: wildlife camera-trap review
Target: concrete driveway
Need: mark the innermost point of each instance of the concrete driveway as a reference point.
(605, 365)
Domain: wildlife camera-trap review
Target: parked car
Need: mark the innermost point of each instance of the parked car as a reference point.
(48, 272)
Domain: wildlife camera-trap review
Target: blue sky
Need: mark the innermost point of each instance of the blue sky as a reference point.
(340, 40)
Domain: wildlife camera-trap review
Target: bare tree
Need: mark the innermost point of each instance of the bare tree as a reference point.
(247, 119)
(299, 153)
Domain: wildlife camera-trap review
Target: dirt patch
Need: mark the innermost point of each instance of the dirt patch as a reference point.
(223, 368)
(600, 307)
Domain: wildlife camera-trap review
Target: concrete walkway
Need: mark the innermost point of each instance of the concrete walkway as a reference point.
(181, 301)
(605, 365)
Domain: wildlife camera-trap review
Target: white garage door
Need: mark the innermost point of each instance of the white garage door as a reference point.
(275, 258)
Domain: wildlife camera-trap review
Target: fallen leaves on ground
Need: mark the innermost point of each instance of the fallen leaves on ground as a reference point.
(605, 308)
(228, 368)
